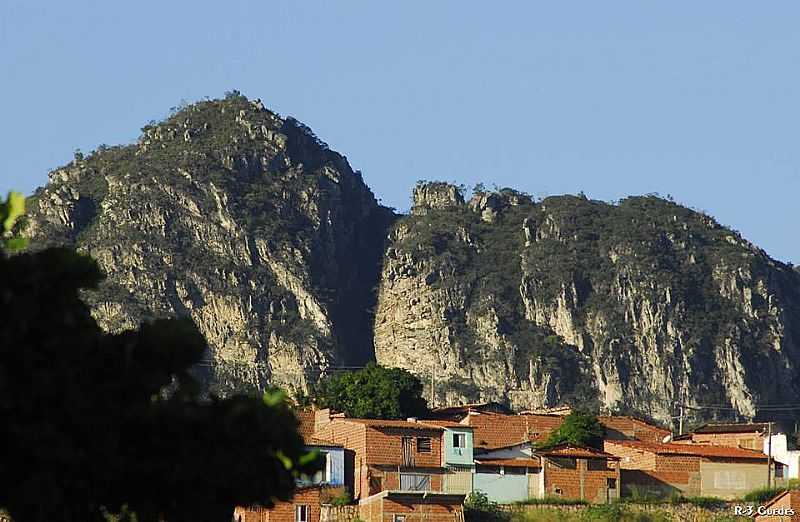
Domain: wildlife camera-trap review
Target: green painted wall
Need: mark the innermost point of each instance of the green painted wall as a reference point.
(453, 455)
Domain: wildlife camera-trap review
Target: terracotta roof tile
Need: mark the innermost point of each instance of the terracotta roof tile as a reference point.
(444, 424)
(382, 423)
(732, 428)
(511, 463)
(700, 450)
(494, 430)
(568, 450)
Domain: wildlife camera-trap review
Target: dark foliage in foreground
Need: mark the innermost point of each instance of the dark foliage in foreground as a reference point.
(91, 422)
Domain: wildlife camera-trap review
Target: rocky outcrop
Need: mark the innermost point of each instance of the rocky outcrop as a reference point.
(247, 223)
(240, 219)
(634, 306)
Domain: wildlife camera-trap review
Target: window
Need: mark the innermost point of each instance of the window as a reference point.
(459, 440)
(415, 482)
(513, 470)
(423, 445)
(779, 470)
(399, 518)
(323, 475)
(557, 491)
(611, 483)
(301, 513)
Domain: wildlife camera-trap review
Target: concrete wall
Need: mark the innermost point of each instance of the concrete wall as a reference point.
(502, 489)
(458, 481)
(731, 480)
(782, 454)
(454, 455)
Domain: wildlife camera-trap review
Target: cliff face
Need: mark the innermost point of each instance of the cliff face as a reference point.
(633, 306)
(238, 218)
(247, 223)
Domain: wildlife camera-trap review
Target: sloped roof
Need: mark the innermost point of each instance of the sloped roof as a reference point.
(699, 450)
(383, 423)
(494, 430)
(445, 424)
(314, 441)
(749, 427)
(569, 450)
(511, 463)
(634, 427)
(463, 409)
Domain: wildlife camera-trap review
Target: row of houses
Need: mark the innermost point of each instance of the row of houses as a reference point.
(422, 469)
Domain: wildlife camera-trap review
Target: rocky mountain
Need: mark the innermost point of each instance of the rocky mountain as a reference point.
(635, 305)
(249, 224)
(236, 217)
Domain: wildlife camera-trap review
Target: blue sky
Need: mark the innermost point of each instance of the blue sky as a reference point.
(699, 100)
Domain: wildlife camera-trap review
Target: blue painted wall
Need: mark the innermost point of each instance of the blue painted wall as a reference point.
(334, 468)
(453, 455)
(503, 489)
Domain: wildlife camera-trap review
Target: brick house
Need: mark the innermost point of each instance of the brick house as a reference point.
(580, 473)
(494, 430)
(631, 428)
(304, 506)
(520, 472)
(457, 455)
(457, 413)
(412, 506)
(783, 508)
(688, 469)
(392, 455)
(745, 435)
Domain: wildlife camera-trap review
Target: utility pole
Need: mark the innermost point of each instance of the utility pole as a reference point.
(680, 420)
(769, 454)
(433, 385)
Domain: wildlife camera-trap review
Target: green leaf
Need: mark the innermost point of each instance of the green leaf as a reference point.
(15, 244)
(13, 208)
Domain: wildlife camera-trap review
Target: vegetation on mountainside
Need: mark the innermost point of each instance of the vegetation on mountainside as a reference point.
(373, 392)
(97, 424)
(587, 252)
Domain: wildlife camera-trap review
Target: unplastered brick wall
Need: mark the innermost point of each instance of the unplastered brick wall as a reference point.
(390, 478)
(631, 458)
(752, 441)
(416, 510)
(353, 437)
(283, 511)
(579, 482)
(385, 446)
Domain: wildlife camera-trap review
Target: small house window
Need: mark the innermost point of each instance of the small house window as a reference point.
(612, 483)
(778, 470)
(399, 518)
(459, 440)
(423, 445)
(301, 513)
(557, 491)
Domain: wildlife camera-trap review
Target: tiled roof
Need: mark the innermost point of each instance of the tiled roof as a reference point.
(314, 441)
(493, 430)
(381, 423)
(511, 463)
(624, 423)
(465, 408)
(568, 450)
(700, 450)
(445, 424)
(732, 428)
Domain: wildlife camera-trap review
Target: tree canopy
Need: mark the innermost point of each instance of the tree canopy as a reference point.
(579, 429)
(374, 392)
(94, 423)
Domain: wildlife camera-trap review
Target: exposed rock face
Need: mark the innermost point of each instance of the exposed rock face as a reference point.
(238, 218)
(245, 222)
(638, 304)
